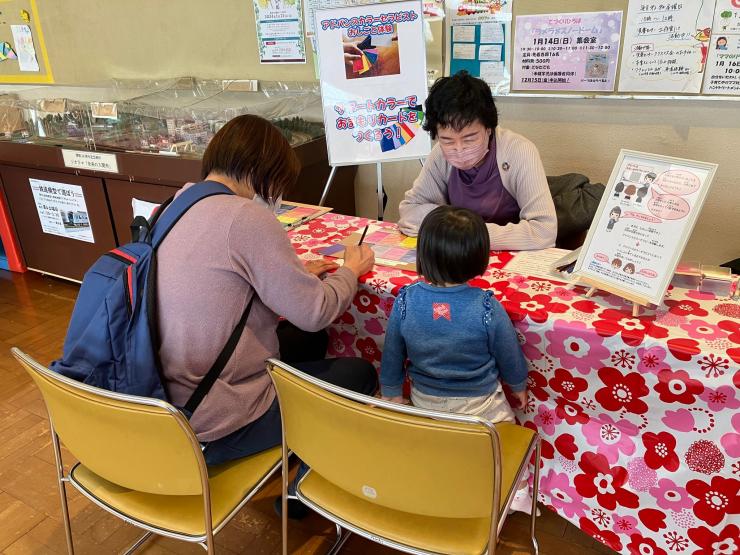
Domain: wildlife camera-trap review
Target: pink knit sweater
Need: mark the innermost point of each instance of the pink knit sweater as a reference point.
(224, 250)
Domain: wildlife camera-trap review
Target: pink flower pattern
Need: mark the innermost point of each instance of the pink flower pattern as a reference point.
(671, 473)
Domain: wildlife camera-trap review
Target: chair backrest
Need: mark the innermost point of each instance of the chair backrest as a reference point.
(392, 456)
(138, 443)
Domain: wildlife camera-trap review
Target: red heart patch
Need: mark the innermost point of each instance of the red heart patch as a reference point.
(683, 349)
(653, 519)
(566, 446)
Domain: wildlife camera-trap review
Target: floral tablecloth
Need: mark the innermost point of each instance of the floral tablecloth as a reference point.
(638, 415)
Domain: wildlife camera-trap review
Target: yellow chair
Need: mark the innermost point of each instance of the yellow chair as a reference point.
(139, 459)
(415, 480)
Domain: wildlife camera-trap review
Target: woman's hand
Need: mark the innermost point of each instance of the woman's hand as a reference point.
(520, 397)
(320, 266)
(360, 259)
(351, 53)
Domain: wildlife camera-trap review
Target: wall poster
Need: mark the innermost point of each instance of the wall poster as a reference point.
(723, 65)
(62, 209)
(478, 35)
(642, 224)
(567, 51)
(372, 67)
(280, 31)
(666, 46)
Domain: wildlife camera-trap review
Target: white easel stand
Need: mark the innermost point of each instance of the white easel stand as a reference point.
(379, 173)
(635, 306)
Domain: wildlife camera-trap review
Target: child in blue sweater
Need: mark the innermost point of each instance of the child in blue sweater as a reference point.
(459, 341)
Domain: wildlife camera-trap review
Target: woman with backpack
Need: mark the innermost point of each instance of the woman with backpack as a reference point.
(226, 252)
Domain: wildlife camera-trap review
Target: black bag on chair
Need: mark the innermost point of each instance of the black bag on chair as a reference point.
(576, 201)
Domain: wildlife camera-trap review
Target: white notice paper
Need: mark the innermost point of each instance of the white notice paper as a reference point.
(490, 52)
(463, 33)
(492, 32)
(143, 207)
(538, 263)
(62, 210)
(24, 47)
(492, 72)
(463, 51)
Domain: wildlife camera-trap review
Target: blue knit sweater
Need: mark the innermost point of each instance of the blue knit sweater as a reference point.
(458, 341)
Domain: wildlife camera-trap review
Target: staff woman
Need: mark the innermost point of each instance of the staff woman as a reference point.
(480, 166)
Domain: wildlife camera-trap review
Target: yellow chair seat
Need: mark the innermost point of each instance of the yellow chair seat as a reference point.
(183, 514)
(439, 535)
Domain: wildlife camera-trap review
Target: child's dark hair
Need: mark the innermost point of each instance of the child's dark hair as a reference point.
(458, 101)
(453, 246)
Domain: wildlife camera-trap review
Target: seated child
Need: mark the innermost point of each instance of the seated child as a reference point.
(458, 339)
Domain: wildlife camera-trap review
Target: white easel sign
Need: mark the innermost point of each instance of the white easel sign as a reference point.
(372, 68)
(643, 222)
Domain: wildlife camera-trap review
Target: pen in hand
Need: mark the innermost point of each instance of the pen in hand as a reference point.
(362, 238)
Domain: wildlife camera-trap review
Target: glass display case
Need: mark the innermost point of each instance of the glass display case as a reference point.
(174, 117)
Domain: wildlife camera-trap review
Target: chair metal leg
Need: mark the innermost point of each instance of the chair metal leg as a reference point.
(138, 543)
(535, 495)
(284, 495)
(342, 537)
(62, 491)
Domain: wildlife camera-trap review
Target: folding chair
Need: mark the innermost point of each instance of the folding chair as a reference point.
(140, 460)
(415, 480)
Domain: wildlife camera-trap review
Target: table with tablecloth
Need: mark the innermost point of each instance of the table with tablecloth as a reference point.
(638, 415)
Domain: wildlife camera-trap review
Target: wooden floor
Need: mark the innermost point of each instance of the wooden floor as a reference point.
(34, 311)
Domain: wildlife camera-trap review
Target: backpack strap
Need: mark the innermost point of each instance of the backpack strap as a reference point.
(166, 219)
(215, 371)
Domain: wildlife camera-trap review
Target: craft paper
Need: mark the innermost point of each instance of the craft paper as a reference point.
(491, 32)
(463, 33)
(489, 52)
(463, 51)
(24, 48)
(391, 248)
(567, 52)
(665, 46)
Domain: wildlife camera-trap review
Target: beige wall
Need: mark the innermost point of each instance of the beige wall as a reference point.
(585, 136)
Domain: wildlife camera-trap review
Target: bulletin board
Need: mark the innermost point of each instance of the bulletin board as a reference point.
(16, 59)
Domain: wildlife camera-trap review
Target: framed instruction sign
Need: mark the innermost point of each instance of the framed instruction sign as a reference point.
(643, 222)
(372, 68)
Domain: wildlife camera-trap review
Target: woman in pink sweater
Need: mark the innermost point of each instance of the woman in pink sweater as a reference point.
(226, 250)
(480, 166)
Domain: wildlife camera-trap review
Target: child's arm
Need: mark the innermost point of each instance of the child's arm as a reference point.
(394, 355)
(505, 348)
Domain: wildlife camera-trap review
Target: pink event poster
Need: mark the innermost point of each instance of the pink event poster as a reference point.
(567, 52)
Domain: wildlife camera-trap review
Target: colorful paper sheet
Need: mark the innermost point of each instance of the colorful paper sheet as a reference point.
(391, 248)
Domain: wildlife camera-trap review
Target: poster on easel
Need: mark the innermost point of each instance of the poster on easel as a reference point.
(567, 51)
(666, 46)
(723, 63)
(372, 69)
(478, 35)
(642, 225)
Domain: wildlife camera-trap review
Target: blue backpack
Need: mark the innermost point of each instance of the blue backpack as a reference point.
(112, 341)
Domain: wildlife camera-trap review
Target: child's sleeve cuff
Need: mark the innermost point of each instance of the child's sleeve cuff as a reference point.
(391, 390)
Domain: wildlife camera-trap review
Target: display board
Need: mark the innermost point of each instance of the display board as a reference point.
(23, 57)
(373, 82)
(643, 222)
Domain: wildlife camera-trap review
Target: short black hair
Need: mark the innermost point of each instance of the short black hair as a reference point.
(453, 247)
(458, 101)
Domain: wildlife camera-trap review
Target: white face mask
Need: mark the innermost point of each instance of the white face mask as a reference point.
(273, 205)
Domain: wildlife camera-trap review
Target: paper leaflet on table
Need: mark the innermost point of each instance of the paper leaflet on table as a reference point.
(544, 264)
(293, 214)
(391, 247)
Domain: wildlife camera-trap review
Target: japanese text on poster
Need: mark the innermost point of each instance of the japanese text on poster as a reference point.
(665, 46)
(723, 65)
(62, 209)
(644, 221)
(280, 31)
(567, 52)
(478, 35)
(373, 82)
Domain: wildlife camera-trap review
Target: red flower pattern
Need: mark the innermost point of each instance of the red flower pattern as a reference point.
(536, 384)
(632, 329)
(607, 537)
(570, 412)
(716, 499)
(604, 482)
(520, 305)
(622, 391)
(660, 451)
(567, 385)
(366, 302)
(644, 546)
(677, 387)
(369, 349)
(726, 542)
(685, 307)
